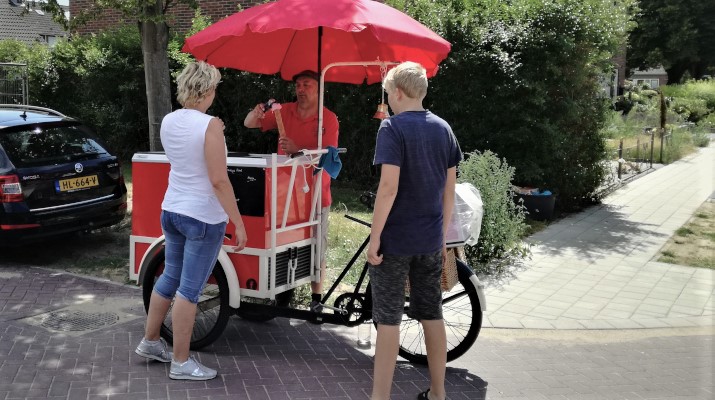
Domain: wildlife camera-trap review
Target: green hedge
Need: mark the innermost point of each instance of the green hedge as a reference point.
(521, 81)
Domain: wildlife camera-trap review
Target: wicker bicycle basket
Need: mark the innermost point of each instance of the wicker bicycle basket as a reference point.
(449, 270)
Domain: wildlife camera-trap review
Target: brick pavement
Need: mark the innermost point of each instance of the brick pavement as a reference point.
(289, 359)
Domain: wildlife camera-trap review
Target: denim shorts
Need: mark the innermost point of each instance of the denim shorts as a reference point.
(191, 250)
(387, 281)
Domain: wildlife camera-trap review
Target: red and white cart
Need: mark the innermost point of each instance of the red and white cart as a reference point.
(277, 198)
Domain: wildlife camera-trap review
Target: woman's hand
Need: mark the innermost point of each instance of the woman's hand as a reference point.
(241, 238)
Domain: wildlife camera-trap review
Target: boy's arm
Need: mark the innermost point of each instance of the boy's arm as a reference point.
(448, 200)
(385, 198)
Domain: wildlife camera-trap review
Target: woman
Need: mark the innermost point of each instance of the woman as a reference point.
(196, 206)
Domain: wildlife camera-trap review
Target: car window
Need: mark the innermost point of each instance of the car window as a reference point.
(53, 145)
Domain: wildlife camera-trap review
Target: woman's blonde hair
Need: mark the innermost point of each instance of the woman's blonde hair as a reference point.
(195, 82)
(410, 77)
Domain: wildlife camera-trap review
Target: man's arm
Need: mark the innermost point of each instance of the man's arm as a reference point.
(254, 117)
(385, 198)
(331, 128)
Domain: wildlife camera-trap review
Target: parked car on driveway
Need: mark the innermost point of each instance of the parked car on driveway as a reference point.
(56, 176)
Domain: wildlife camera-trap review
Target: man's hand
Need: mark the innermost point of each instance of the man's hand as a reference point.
(258, 111)
(287, 145)
(254, 117)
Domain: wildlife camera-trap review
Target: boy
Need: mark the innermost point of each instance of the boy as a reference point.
(418, 154)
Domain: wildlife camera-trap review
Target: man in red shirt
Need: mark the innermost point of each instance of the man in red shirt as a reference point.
(300, 120)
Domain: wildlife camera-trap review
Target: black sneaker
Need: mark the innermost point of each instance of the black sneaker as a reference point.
(315, 306)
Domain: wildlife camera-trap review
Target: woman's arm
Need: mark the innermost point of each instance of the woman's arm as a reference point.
(215, 154)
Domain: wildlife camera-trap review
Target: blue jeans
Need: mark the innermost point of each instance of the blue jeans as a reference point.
(191, 250)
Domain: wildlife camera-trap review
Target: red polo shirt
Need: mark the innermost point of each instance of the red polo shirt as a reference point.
(304, 132)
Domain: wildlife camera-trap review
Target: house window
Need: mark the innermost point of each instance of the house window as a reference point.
(653, 83)
(51, 40)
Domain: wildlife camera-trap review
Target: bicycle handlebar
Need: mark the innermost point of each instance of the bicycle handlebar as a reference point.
(306, 152)
(350, 217)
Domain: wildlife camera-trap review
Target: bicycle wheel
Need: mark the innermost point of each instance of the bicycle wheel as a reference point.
(212, 310)
(462, 319)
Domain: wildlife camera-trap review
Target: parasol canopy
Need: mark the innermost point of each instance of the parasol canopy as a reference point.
(290, 36)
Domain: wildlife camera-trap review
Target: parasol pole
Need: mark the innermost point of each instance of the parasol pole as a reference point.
(318, 179)
(321, 83)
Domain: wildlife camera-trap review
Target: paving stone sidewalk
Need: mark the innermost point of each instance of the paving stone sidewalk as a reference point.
(596, 269)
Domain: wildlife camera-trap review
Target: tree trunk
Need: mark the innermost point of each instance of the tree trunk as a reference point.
(155, 40)
(676, 71)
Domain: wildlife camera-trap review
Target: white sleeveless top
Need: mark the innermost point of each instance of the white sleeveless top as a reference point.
(190, 191)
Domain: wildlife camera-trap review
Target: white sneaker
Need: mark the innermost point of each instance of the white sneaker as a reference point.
(156, 350)
(191, 370)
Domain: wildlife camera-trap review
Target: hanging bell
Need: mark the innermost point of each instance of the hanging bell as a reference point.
(381, 112)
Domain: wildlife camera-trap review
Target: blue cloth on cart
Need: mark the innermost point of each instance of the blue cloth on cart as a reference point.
(330, 162)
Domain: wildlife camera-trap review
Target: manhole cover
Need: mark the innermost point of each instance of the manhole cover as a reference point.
(76, 320)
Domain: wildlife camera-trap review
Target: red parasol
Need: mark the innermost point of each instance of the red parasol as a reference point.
(289, 36)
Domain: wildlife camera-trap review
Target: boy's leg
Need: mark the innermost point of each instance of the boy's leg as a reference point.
(426, 306)
(386, 348)
(436, 343)
(388, 301)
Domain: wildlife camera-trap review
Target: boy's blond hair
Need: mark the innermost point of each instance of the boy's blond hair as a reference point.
(195, 82)
(410, 77)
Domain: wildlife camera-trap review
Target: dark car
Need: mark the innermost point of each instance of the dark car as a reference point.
(56, 176)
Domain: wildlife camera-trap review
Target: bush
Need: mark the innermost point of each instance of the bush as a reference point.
(701, 139)
(704, 90)
(708, 123)
(97, 79)
(503, 221)
(690, 109)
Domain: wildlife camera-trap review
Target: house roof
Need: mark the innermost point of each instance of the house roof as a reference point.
(642, 72)
(28, 27)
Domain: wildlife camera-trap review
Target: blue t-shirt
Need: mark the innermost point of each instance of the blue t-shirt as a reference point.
(424, 147)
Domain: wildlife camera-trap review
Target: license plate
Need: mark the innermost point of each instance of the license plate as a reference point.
(82, 182)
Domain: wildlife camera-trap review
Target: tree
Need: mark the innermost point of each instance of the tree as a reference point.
(677, 34)
(151, 19)
(522, 81)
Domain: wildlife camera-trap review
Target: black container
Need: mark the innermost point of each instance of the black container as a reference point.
(539, 207)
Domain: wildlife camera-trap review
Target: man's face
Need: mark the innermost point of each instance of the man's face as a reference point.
(306, 89)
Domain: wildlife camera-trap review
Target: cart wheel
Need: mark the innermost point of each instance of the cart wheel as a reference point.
(462, 319)
(212, 311)
(354, 306)
(282, 300)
